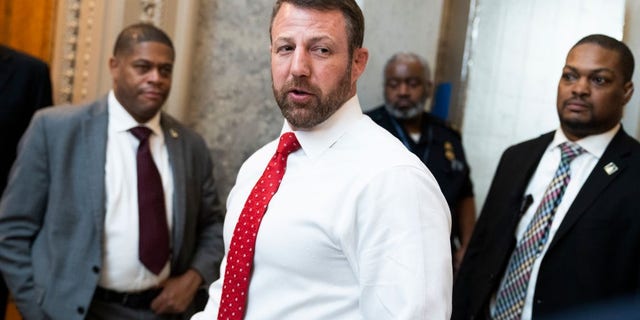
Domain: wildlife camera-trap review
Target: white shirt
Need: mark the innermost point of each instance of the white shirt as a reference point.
(121, 268)
(357, 230)
(581, 168)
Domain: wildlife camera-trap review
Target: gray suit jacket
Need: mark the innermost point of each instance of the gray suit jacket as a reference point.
(52, 212)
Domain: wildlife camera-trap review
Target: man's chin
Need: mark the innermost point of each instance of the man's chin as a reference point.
(404, 113)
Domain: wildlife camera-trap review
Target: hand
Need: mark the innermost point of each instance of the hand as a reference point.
(177, 293)
(457, 259)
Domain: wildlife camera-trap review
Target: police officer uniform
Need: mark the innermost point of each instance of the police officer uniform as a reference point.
(440, 149)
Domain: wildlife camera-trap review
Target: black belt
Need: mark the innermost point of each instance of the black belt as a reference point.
(133, 300)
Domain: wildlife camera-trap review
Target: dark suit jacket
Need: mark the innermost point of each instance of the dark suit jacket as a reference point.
(52, 213)
(595, 254)
(24, 87)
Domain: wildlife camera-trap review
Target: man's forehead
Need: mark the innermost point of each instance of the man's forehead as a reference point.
(291, 17)
(591, 56)
(404, 68)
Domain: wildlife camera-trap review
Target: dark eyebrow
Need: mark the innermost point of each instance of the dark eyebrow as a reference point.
(590, 71)
(320, 38)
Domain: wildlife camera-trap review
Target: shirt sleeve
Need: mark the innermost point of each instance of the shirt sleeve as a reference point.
(402, 248)
(215, 290)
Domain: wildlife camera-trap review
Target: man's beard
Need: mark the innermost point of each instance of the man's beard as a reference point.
(406, 113)
(319, 108)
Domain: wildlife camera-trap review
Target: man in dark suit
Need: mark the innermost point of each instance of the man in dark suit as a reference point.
(407, 86)
(540, 248)
(25, 87)
(78, 212)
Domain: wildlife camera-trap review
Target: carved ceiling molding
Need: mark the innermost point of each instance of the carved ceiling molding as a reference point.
(152, 11)
(69, 55)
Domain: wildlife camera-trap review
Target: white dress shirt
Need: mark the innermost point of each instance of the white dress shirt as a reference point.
(581, 168)
(121, 268)
(357, 230)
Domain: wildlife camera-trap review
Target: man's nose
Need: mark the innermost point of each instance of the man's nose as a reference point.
(403, 88)
(581, 87)
(300, 66)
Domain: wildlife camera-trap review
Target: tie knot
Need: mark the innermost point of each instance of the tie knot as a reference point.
(288, 143)
(570, 151)
(141, 132)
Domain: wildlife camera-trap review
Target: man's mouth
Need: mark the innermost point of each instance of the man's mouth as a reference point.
(152, 94)
(298, 91)
(576, 105)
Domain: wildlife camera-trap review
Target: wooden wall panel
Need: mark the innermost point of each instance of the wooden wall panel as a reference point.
(29, 26)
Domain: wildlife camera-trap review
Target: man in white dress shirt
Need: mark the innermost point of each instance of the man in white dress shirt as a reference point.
(358, 228)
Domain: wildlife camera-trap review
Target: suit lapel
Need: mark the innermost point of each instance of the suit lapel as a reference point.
(94, 139)
(521, 167)
(174, 142)
(618, 153)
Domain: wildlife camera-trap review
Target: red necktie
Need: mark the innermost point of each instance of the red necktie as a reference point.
(153, 246)
(240, 256)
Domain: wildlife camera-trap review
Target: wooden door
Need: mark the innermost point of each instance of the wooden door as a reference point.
(29, 26)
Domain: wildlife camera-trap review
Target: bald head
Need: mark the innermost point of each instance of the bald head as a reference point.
(409, 58)
(407, 85)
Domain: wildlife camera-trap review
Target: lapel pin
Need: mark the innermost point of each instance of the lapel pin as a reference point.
(173, 133)
(610, 168)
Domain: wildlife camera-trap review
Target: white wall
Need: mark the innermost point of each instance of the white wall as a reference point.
(631, 120)
(393, 26)
(516, 57)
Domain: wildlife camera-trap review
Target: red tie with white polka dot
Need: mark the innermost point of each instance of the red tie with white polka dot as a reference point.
(240, 256)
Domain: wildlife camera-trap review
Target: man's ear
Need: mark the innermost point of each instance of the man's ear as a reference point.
(428, 89)
(628, 91)
(113, 65)
(360, 58)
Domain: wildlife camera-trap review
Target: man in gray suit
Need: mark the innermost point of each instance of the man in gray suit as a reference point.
(71, 217)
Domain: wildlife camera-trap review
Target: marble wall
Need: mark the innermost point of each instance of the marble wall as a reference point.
(231, 102)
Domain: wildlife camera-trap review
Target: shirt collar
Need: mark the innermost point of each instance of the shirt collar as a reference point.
(120, 120)
(593, 144)
(318, 139)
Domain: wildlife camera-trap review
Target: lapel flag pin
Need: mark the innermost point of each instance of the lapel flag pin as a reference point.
(610, 168)
(173, 133)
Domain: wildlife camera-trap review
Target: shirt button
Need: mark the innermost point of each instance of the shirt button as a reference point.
(95, 269)
(80, 310)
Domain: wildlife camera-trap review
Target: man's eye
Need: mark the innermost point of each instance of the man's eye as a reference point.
(142, 67)
(599, 80)
(285, 49)
(414, 83)
(166, 71)
(568, 76)
(392, 84)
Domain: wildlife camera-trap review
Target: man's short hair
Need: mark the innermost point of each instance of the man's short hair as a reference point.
(349, 8)
(626, 57)
(408, 56)
(137, 33)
